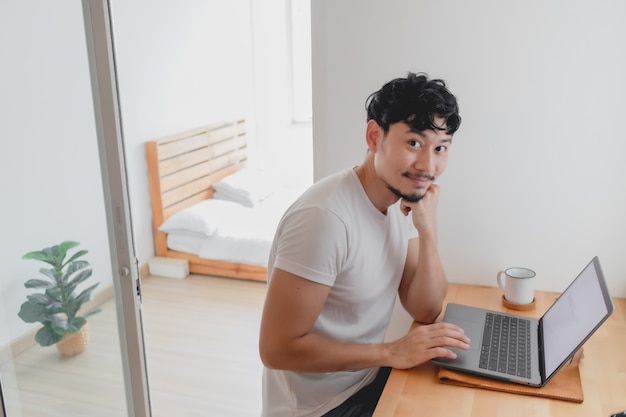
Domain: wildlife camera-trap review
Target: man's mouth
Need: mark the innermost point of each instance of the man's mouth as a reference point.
(420, 179)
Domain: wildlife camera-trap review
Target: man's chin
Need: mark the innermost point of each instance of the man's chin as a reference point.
(414, 198)
(410, 198)
(416, 195)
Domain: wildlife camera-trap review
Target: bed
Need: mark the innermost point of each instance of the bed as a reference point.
(209, 207)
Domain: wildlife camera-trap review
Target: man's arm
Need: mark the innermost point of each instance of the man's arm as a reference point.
(292, 306)
(287, 342)
(424, 284)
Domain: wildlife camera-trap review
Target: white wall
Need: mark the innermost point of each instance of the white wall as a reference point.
(175, 73)
(50, 178)
(537, 173)
(181, 65)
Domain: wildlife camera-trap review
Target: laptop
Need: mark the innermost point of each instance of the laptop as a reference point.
(538, 348)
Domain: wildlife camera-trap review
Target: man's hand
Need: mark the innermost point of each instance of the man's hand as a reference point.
(423, 212)
(427, 342)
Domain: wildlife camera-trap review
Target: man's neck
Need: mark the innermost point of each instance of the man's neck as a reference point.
(375, 189)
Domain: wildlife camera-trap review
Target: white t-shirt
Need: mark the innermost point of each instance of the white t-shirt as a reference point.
(335, 236)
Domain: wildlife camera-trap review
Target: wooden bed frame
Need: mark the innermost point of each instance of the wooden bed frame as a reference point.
(181, 171)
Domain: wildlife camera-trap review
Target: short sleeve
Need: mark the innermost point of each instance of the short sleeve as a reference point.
(311, 243)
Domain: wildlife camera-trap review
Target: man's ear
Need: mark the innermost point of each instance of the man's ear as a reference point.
(373, 134)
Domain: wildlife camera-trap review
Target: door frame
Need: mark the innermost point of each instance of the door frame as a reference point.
(125, 266)
(3, 410)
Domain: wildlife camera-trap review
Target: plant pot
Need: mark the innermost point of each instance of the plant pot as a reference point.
(75, 343)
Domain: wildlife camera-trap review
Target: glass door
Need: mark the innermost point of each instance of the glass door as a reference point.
(63, 193)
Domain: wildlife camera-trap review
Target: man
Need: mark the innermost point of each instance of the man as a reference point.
(345, 248)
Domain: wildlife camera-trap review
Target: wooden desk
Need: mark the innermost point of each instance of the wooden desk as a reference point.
(418, 392)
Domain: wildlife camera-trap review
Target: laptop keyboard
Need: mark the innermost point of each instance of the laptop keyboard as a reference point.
(506, 345)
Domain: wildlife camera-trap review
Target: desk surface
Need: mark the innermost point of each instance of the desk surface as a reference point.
(417, 391)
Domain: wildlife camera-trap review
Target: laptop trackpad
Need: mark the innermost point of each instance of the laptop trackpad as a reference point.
(473, 330)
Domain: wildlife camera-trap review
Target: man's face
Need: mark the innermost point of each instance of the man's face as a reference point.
(408, 162)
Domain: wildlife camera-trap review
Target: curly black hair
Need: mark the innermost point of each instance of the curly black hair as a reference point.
(415, 100)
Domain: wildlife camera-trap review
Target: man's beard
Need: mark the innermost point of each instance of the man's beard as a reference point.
(410, 198)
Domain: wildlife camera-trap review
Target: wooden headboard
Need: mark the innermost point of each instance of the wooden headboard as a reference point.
(181, 171)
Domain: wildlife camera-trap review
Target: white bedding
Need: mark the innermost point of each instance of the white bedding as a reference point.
(242, 235)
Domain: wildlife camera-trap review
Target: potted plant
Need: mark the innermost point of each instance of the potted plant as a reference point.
(58, 306)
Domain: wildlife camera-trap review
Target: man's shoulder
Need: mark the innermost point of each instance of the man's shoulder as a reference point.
(339, 178)
(335, 187)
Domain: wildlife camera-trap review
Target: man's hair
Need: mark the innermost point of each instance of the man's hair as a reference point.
(415, 100)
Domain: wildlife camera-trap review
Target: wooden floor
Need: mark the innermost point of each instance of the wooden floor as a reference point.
(201, 345)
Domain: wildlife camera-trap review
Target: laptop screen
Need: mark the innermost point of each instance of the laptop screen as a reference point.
(582, 307)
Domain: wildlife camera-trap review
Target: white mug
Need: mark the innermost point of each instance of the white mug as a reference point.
(518, 285)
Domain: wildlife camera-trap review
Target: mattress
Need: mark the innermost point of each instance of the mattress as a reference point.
(253, 251)
(244, 238)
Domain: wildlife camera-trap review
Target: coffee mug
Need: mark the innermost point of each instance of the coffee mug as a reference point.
(517, 284)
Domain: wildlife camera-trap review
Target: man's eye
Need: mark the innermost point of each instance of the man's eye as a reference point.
(441, 149)
(414, 143)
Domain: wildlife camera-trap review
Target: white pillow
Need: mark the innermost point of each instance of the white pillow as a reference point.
(203, 217)
(247, 187)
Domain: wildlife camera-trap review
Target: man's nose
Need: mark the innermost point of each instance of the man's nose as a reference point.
(425, 161)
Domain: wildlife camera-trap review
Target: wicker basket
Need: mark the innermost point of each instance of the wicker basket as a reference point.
(75, 343)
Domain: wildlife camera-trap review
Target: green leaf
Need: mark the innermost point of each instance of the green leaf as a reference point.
(76, 256)
(32, 312)
(56, 308)
(75, 266)
(58, 323)
(52, 273)
(84, 296)
(62, 250)
(68, 326)
(52, 306)
(72, 306)
(80, 277)
(46, 336)
(55, 293)
(67, 245)
(38, 283)
(75, 323)
(40, 256)
(42, 299)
